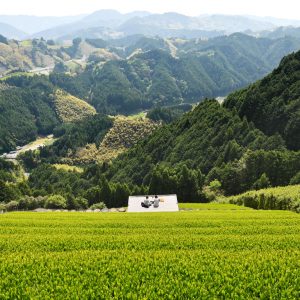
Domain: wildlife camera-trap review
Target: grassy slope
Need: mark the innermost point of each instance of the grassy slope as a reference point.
(70, 108)
(126, 132)
(187, 255)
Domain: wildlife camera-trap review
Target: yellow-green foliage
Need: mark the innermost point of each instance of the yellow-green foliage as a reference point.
(16, 74)
(186, 255)
(286, 198)
(125, 133)
(68, 168)
(26, 43)
(70, 108)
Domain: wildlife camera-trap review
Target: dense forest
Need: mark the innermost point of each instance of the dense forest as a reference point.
(32, 106)
(214, 141)
(207, 151)
(244, 144)
(273, 104)
(26, 110)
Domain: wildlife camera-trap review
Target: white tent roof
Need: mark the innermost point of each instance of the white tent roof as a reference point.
(168, 203)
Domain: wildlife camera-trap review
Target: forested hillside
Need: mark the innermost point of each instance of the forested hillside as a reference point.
(273, 104)
(97, 139)
(124, 134)
(223, 142)
(70, 108)
(32, 106)
(214, 141)
(168, 72)
(27, 110)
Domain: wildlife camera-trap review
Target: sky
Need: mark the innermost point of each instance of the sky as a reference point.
(288, 9)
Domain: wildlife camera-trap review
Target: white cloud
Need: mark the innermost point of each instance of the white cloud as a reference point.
(276, 8)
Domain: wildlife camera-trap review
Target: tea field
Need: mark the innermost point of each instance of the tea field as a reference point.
(203, 254)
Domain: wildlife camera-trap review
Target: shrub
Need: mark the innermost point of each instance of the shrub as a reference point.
(213, 190)
(56, 202)
(2, 207)
(100, 205)
(295, 179)
(82, 203)
(12, 205)
(31, 203)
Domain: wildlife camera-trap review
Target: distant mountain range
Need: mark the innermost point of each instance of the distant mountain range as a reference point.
(281, 32)
(33, 24)
(11, 32)
(111, 24)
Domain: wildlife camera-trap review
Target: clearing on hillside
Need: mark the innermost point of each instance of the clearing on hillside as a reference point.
(70, 108)
(125, 133)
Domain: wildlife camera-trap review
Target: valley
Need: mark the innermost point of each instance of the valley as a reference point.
(40, 142)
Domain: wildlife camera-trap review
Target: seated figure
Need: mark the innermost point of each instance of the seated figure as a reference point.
(156, 201)
(146, 203)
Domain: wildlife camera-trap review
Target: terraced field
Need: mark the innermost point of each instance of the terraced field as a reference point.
(207, 254)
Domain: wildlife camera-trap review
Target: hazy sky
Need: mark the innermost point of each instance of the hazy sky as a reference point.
(276, 8)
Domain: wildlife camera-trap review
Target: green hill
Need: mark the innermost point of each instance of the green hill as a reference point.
(273, 103)
(27, 110)
(215, 141)
(125, 133)
(32, 106)
(224, 143)
(98, 139)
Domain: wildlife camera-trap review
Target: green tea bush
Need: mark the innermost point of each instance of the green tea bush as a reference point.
(208, 254)
(282, 198)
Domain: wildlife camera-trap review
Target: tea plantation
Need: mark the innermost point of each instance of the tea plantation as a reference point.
(206, 254)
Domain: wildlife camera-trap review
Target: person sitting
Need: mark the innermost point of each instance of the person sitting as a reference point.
(156, 202)
(146, 202)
